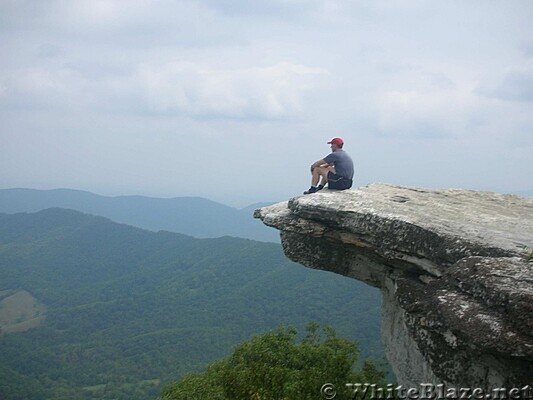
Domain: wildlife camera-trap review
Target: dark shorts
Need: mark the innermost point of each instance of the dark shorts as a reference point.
(338, 182)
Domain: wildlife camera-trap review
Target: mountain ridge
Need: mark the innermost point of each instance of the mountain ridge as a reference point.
(191, 215)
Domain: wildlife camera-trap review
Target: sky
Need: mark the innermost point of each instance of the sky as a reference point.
(233, 100)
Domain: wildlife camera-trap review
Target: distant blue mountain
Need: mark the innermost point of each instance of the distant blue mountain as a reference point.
(524, 193)
(194, 216)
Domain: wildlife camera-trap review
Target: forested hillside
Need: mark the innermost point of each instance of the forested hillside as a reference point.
(127, 310)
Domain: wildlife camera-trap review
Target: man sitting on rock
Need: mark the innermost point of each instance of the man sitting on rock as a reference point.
(336, 169)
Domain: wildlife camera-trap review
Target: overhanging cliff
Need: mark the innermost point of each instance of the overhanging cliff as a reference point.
(454, 268)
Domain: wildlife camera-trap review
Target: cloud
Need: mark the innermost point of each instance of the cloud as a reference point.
(264, 8)
(178, 88)
(44, 86)
(427, 114)
(413, 101)
(203, 91)
(516, 85)
(92, 25)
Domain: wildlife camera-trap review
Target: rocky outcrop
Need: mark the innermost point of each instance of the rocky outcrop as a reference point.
(454, 268)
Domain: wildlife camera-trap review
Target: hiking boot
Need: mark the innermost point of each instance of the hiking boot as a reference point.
(312, 189)
(319, 187)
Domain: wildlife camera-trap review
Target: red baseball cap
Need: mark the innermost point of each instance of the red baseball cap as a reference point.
(338, 141)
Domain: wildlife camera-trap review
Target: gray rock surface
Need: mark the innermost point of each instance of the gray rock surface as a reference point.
(454, 268)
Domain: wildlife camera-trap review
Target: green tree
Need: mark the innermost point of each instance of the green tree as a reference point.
(277, 366)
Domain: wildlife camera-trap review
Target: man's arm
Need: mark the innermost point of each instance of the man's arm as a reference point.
(318, 164)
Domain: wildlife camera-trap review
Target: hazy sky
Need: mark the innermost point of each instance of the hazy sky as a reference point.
(233, 100)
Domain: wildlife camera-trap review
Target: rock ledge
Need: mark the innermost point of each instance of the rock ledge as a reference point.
(454, 268)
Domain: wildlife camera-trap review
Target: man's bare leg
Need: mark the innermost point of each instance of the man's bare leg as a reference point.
(323, 173)
(319, 174)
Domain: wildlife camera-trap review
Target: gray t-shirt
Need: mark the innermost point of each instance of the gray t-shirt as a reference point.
(342, 162)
